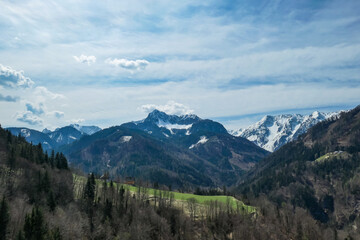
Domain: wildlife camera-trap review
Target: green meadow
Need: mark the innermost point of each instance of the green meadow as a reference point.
(178, 196)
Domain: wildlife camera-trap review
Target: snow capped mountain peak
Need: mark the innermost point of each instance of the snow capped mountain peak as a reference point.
(88, 130)
(271, 132)
(159, 116)
(316, 114)
(46, 131)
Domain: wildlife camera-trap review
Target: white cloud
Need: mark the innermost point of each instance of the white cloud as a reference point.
(28, 117)
(139, 64)
(85, 59)
(37, 110)
(171, 107)
(76, 121)
(44, 92)
(12, 78)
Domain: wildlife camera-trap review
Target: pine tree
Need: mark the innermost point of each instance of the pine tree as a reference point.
(45, 182)
(12, 159)
(35, 227)
(4, 218)
(89, 192)
(52, 158)
(51, 201)
(20, 236)
(89, 196)
(107, 214)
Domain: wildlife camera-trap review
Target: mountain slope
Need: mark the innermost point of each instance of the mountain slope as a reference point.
(319, 172)
(169, 149)
(65, 135)
(125, 152)
(272, 132)
(35, 137)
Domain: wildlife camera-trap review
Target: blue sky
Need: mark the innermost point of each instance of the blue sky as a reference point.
(109, 62)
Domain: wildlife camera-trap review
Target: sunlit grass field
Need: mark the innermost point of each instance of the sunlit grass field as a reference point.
(184, 197)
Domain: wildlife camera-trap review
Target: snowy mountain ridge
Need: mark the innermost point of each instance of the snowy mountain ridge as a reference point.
(88, 130)
(53, 139)
(272, 132)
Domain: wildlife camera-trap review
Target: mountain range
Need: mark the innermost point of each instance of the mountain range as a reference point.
(51, 140)
(168, 149)
(307, 189)
(272, 132)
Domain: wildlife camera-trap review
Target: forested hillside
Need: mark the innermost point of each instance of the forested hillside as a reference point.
(40, 200)
(319, 173)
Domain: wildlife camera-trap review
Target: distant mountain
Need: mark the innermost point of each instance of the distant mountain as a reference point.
(160, 125)
(179, 150)
(88, 130)
(65, 135)
(54, 139)
(34, 136)
(319, 172)
(272, 132)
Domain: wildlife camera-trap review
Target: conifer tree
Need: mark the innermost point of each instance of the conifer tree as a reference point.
(12, 159)
(35, 227)
(52, 158)
(51, 201)
(4, 218)
(20, 236)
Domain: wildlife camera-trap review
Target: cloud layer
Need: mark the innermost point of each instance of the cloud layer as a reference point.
(220, 58)
(32, 107)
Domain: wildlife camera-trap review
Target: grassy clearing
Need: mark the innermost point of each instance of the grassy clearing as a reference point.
(79, 181)
(329, 156)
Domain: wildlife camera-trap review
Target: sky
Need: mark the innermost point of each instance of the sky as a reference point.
(109, 62)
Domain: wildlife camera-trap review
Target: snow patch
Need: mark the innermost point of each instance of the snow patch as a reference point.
(202, 140)
(170, 126)
(125, 139)
(25, 133)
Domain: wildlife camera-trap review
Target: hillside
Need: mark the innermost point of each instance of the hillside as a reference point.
(319, 172)
(40, 200)
(182, 151)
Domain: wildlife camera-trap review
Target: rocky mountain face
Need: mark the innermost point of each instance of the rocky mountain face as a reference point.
(169, 149)
(272, 132)
(54, 139)
(318, 172)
